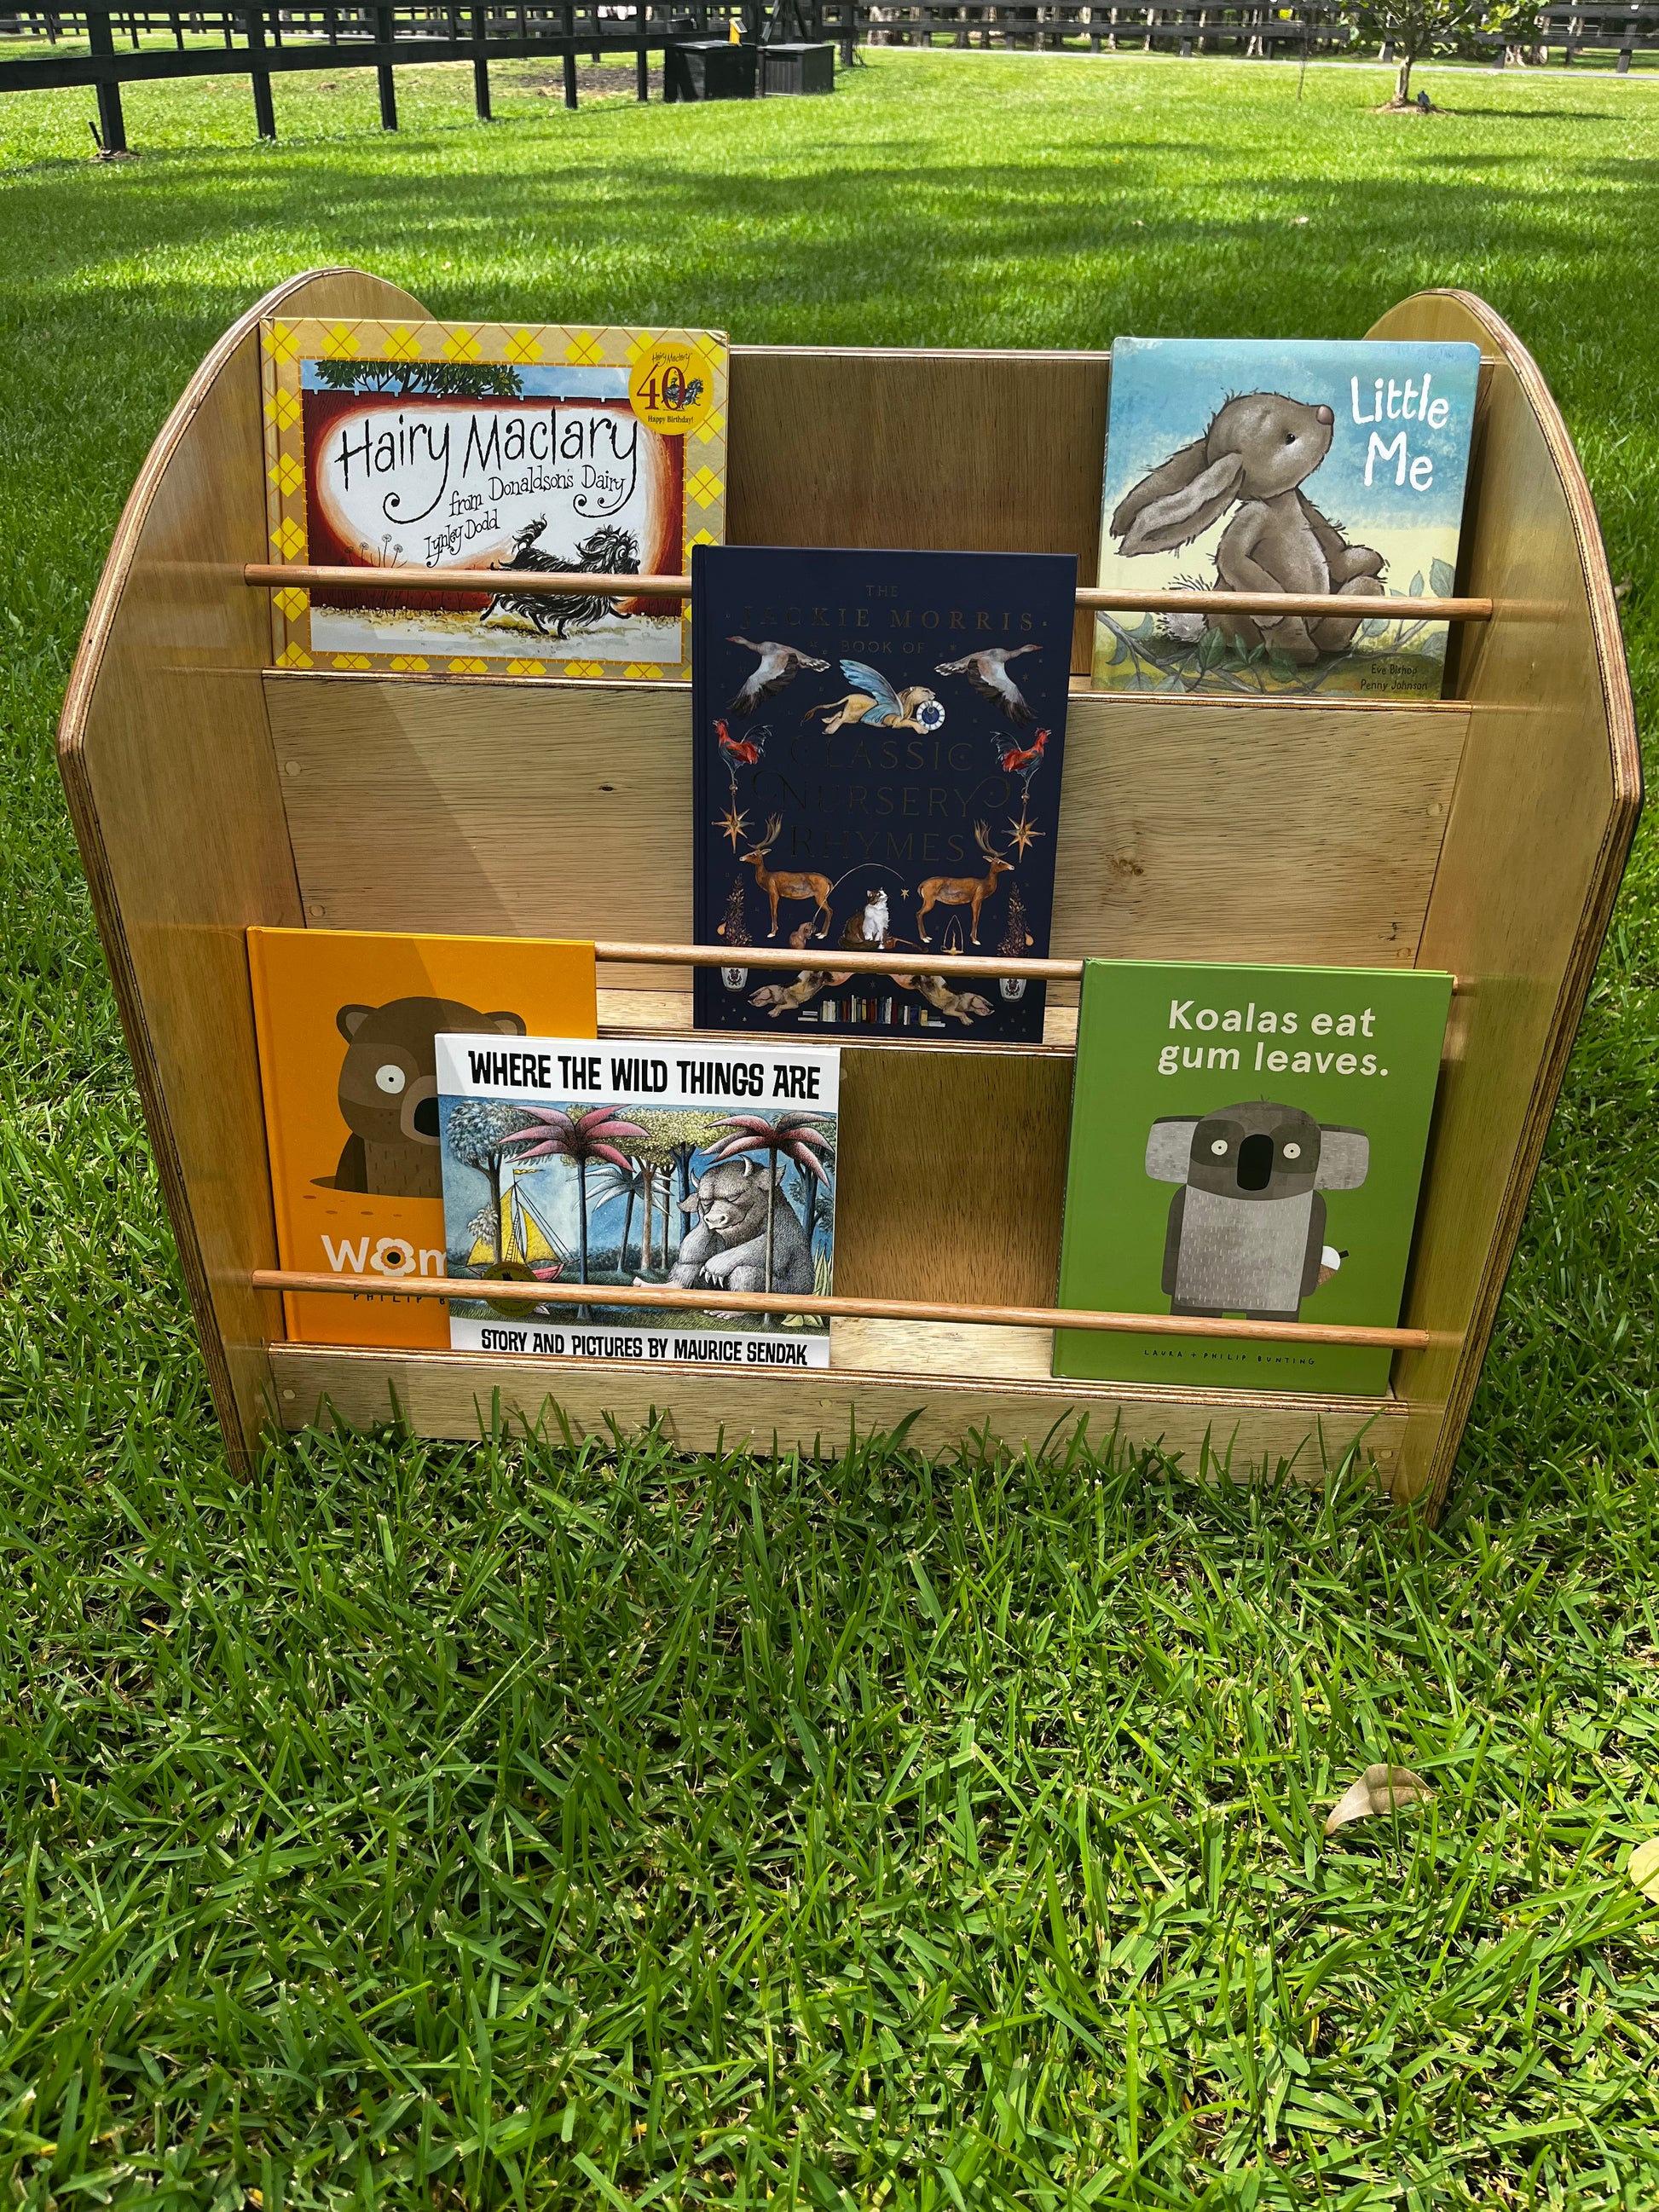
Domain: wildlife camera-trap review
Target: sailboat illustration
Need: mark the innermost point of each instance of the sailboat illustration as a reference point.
(521, 1238)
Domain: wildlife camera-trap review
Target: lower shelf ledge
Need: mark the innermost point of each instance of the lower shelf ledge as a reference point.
(457, 1394)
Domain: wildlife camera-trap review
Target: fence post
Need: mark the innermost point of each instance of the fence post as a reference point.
(570, 56)
(643, 59)
(264, 115)
(481, 62)
(112, 124)
(384, 70)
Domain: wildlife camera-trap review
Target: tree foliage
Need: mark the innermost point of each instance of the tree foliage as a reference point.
(1410, 31)
(422, 379)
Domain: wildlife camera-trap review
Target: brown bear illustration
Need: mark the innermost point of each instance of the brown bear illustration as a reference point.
(389, 1093)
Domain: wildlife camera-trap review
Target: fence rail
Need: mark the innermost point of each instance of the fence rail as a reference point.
(259, 40)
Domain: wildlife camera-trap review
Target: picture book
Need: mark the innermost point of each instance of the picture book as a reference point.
(878, 742)
(531, 451)
(1246, 1141)
(706, 1167)
(347, 1022)
(1277, 466)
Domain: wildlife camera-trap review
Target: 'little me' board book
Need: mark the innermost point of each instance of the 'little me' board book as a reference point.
(347, 1021)
(1246, 1141)
(877, 765)
(528, 451)
(1314, 466)
(710, 1168)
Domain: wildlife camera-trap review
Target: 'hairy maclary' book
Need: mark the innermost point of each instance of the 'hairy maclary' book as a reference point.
(675, 1162)
(1246, 1142)
(1312, 466)
(878, 749)
(527, 451)
(347, 1022)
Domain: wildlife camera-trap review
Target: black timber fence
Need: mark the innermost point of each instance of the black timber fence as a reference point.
(106, 43)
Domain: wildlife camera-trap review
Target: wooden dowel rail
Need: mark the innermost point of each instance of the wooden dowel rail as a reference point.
(656, 1298)
(903, 960)
(906, 960)
(531, 583)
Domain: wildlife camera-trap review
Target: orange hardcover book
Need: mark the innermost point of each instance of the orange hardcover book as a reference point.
(346, 1020)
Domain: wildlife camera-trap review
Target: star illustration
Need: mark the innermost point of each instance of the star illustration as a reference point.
(1024, 833)
(732, 824)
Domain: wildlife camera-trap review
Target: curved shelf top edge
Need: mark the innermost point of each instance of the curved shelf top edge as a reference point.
(1488, 328)
(164, 450)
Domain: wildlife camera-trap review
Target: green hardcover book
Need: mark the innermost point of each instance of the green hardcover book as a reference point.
(1246, 1141)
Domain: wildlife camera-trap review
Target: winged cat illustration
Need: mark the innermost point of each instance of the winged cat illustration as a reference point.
(875, 700)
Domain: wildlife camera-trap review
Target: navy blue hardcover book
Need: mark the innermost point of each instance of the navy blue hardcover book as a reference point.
(879, 740)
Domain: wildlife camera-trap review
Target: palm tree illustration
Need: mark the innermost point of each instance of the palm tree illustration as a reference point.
(787, 1138)
(581, 1138)
(629, 1183)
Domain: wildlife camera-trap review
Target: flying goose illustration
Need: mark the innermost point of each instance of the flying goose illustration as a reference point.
(779, 664)
(987, 672)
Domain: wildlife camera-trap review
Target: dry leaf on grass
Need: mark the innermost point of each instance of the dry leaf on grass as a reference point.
(1379, 1790)
(1643, 1868)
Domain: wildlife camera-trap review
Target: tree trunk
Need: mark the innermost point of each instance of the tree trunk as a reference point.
(1402, 83)
(627, 1223)
(581, 1217)
(776, 1169)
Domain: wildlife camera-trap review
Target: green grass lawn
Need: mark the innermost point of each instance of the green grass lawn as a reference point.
(512, 1826)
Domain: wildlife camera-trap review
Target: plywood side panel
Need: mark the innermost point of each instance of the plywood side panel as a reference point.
(936, 452)
(1191, 830)
(452, 1394)
(1540, 823)
(166, 767)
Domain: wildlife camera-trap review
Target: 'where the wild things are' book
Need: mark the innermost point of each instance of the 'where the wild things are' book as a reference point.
(709, 1167)
(1266, 466)
(526, 450)
(347, 1022)
(878, 749)
(1246, 1142)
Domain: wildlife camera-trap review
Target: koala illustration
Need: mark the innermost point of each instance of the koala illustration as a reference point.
(728, 1245)
(389, 1093)
(1247, 1227)
(1257, 452)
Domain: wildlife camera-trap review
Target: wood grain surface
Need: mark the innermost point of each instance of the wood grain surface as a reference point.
(1190, 829)
(167, 767)
(458, 1393)
(1540, 823)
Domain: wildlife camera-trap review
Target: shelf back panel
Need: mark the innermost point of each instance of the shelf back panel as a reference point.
(1190, 831)
(996, 452)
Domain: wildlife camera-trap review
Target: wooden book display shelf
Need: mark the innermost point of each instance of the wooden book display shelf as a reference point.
(1484, 834)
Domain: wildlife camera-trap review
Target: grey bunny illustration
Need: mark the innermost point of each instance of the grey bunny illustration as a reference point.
(1258, 452)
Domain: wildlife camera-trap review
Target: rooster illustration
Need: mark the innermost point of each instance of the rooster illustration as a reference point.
(987, 672)
(744, 751)
(1023, 760)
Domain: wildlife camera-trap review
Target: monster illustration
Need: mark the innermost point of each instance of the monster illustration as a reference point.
(1246, 1226)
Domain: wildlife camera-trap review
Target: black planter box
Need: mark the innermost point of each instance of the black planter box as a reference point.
(798, 68)
(707, 69)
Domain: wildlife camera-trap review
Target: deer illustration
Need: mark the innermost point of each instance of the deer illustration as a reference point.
(963, 890)
(787, 883)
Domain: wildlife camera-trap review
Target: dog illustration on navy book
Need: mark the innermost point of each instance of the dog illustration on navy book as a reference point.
(1247, 1227)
